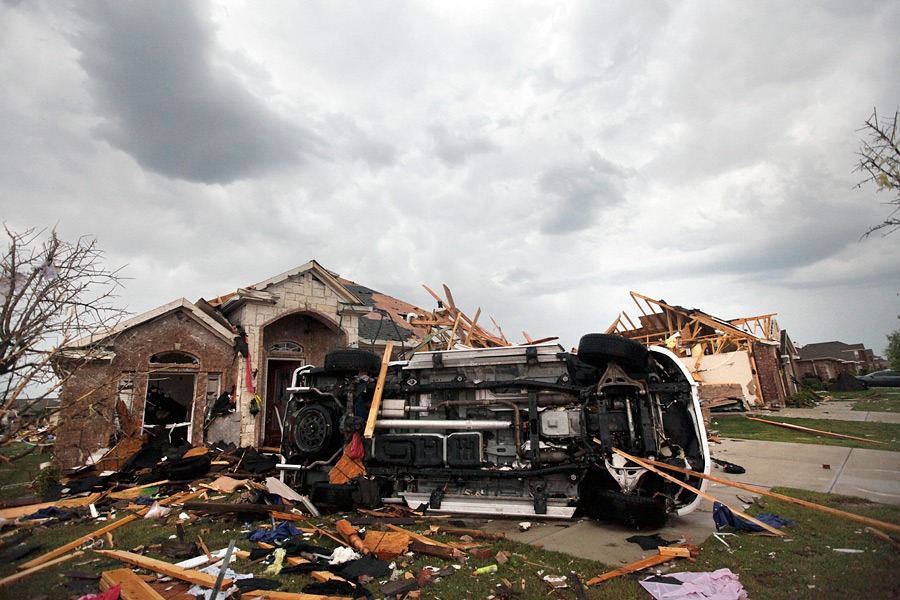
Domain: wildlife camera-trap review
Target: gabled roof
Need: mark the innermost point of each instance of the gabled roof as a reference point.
(182, 304)
(324, 275)
(257, 291)
(835, 350)
(391, 324)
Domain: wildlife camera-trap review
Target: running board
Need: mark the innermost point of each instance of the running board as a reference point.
(498, 507)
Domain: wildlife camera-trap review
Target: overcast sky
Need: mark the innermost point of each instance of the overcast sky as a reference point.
(541, 159)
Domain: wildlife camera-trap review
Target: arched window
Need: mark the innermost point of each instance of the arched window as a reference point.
(174, 358)
(286, 347)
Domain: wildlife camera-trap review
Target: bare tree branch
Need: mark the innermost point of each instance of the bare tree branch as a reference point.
(880, 161)
(52, 292)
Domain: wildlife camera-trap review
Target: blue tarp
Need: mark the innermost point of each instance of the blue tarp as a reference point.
(723, 517)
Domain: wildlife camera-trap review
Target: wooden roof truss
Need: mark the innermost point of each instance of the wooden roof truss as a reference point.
(450, 326)
(682, 328)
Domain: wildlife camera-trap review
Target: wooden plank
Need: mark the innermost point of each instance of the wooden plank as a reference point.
(635, 566)
(133, 587)
(369, 432)
(40, 567)
(21, 511)
(275, 595)
(472, 328)
(419, 537)
(453, 331)
(816, 431)
(134, 492)
(749, 488)
(112, 526)
(691, 488)
(159, 566)
(296, 560)
(474, 533)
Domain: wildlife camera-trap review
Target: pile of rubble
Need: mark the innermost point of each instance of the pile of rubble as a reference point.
(277, 539)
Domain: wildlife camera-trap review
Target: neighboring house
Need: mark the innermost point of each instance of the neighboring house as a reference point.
(751, 352)
(827, 360)
(164, 368)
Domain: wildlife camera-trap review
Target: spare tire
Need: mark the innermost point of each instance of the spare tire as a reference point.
(597, 349)
(313, 432)
(352, 359)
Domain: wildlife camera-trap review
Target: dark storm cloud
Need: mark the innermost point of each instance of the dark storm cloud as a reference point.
(576, 193)
(168, 105)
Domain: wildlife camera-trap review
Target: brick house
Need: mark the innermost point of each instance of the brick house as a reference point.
(163, 368)
(827, 360)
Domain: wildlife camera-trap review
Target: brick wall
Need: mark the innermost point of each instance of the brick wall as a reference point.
(88, 399)
(768, 373)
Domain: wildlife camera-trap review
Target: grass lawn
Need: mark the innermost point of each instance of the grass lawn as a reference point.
(874, 399)
(801, 566)
(16, 478)
(735, 426)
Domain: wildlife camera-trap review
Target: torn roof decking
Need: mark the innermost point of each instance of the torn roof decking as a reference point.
(659, 321)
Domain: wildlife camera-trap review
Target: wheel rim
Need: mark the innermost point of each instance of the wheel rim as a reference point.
(312, 431)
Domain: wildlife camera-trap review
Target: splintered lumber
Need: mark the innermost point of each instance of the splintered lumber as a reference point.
(164, 568)
(134, 492)
(349, 533)
(275, 595)
(115, 525)
(640, 565)
(884, 536)
(691, 488)
(763, 492)
(133, 587)
(816, 431)
(419, 537)
(475, 533)
(28, 572)
(21, 511)
(386, 543)
(379, 390)
(445, 552)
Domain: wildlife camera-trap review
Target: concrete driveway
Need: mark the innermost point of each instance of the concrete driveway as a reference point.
(871, 474)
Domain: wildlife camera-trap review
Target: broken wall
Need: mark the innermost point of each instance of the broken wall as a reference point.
(728, 367)
(88, 401)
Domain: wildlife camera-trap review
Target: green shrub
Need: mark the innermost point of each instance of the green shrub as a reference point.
(814, 384)
(802, 399)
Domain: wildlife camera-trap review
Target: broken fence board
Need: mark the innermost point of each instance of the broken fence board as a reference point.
(133, 587)
(635, 566)
(762, 492)
(817, 431)
(164, 568)
(45, 565)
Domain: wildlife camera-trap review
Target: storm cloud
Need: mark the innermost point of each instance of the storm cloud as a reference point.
(167, 103)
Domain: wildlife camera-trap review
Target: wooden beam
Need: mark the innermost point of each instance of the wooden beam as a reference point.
(40, 567)
(453, 331)
(816, 431)
(21, 511)
(133, 587)
(472, 328)
(159, 566)
(763, 492)
(635, 566)
(115, 525)
(379, 390)
(691, 488)
(276, 595)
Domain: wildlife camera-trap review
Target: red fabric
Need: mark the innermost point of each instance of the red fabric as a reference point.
(356, 446)
(110, 594)
(250, 375)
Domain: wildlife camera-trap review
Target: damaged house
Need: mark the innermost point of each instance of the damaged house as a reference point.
(749, 359)
(163, 373)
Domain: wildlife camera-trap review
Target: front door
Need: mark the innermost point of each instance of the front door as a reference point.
(277, 382)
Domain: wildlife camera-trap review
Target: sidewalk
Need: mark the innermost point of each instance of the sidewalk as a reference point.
(862, 472)
(839, 410)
